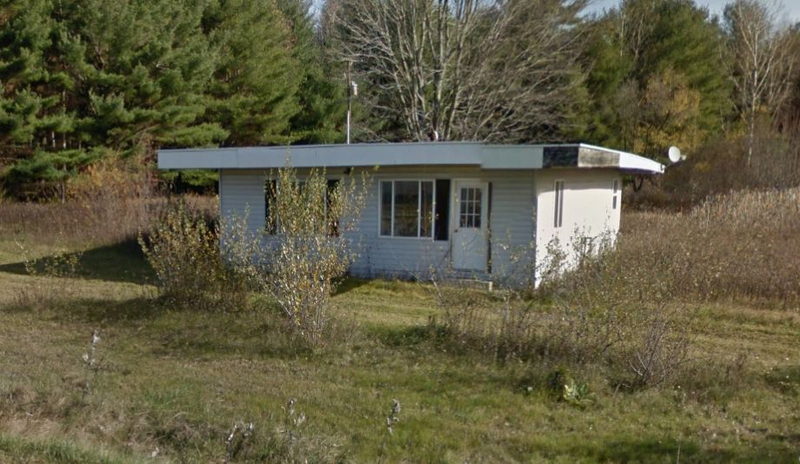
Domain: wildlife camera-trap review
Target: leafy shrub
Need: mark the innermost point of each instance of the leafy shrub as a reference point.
(183, 251)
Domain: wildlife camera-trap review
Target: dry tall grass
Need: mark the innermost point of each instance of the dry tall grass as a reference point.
(113, 201)
(739, 245)
(629, 310)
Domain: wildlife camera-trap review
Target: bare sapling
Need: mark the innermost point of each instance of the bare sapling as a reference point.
(306, 249)
(658, 349)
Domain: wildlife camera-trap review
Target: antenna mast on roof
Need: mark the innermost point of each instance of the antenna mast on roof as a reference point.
(352, 91)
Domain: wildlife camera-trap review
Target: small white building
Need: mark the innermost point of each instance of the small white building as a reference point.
(468, 209)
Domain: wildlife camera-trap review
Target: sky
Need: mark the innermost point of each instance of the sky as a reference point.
(791, 8)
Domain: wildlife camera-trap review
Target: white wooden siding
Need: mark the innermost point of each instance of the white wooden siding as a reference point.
(511, 221)
(240, 194)
(587, 210)
(513, 225)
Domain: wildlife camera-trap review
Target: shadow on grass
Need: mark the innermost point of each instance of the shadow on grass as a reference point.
(175, 331)
(651, 449)
(89, 310)
(349, 284)
(97, 311)
(398, 337)
(120, 262)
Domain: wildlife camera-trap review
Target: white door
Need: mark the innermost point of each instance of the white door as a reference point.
(469, 226)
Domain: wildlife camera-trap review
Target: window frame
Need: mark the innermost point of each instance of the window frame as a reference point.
(420, 215)
(615, 194)
(474, 214)
(558, 206)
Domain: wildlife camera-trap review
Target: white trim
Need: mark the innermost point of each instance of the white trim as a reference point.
(484, 156)
(455, 213)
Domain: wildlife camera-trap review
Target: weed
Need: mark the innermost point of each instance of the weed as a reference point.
(393, 417)
(238, 441)
(91, 362)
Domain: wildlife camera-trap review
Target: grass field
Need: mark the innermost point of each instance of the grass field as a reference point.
(173, 383)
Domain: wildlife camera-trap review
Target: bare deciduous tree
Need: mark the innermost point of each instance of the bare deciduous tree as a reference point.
(763, 60)
(462, 69)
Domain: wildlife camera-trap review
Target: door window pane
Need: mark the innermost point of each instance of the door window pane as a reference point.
(476, 211)
(470, 208)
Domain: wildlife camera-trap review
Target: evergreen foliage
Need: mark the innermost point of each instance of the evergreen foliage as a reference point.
(321, 94)
(658, 76)
(81, 80)
(254, 90)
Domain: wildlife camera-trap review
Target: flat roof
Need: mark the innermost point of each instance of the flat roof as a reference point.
(485, 156)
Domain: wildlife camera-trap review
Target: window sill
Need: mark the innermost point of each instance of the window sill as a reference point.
(392, 237)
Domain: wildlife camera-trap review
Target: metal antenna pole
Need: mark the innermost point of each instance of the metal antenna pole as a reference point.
(349, 99)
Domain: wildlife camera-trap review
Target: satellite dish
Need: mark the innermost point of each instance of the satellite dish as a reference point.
(674, 154)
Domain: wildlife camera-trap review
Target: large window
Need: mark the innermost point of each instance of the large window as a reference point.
(406, 208)
(558, 217)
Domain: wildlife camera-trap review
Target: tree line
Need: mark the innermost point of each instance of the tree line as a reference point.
(85, 80)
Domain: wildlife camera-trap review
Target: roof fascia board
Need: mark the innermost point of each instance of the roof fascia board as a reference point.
(357, 155)
(489, 157)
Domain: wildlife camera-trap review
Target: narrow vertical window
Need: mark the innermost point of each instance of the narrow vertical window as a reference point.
(559, 206)
(442, 216)
(406, 209)
(386, 208)
(615, 194)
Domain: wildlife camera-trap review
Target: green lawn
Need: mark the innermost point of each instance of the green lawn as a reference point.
(173, 383)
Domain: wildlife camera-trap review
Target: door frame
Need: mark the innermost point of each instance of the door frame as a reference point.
(455, 208)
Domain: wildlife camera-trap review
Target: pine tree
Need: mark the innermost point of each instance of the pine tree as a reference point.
(321, 96)
(143, 73)
(34, 112)
(254, 90)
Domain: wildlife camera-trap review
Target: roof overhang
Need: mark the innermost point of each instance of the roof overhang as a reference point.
(484, 156)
